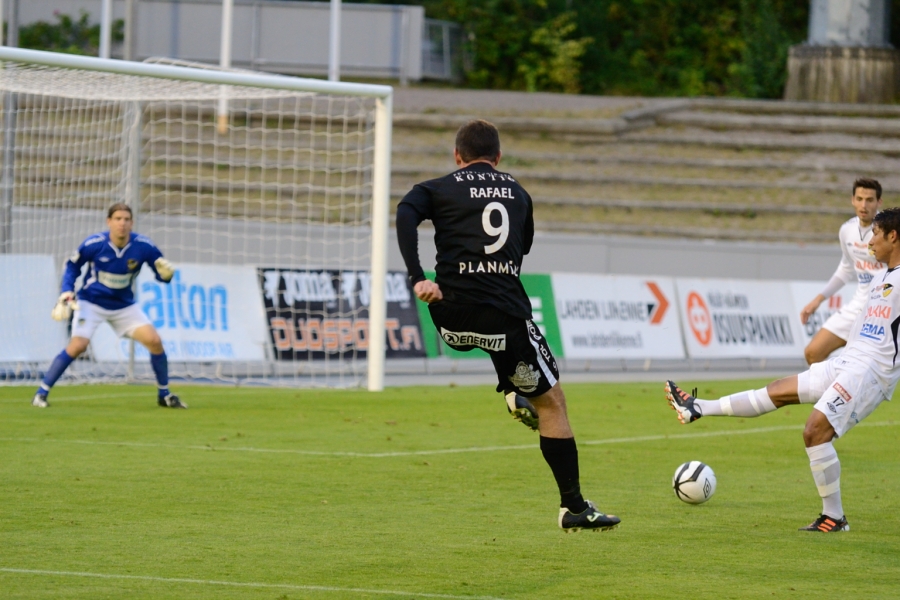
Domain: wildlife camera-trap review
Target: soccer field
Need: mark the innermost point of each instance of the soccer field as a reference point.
(424, 493)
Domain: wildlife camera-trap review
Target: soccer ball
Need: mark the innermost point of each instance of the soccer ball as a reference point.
(694, 482)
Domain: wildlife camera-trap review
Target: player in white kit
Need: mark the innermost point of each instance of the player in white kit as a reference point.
(844, 390)
(856, 265)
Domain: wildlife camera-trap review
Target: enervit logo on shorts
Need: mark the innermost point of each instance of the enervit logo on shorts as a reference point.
(496, 342)
(699, 319)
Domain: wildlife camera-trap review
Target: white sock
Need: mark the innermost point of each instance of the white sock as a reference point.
(751, 403)
(826, 472)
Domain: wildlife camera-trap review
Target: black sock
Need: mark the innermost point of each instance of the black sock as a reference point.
(562, 456)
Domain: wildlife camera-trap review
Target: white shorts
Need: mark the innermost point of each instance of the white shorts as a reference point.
(847, 391)
(123, 320)
(841, 322)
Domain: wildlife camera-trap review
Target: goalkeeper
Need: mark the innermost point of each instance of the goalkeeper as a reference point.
(114, 259)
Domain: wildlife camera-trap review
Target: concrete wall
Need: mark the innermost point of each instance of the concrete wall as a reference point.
(661, 256)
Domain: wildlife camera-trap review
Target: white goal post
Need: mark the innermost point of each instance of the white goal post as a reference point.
(278, 222)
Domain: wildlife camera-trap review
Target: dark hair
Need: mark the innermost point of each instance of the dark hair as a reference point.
(868, 184)
(117, 207)
(478, 140)
(888, 220)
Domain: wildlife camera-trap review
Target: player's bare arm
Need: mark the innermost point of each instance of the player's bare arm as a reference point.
(811, 308)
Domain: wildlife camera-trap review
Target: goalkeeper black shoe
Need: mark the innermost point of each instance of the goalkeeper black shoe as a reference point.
(171, 401)
(590, 518)
(682, 403)
(826, 524)
(40, 400)
(522, 410)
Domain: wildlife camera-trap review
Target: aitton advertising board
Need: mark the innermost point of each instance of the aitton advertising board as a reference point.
(207, 313)
(739, 318)
(610, 317)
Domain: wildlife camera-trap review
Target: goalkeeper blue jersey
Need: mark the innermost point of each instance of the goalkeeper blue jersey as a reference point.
(111, 270)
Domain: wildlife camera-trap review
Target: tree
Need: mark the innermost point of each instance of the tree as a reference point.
(643, 47)
(67, 35)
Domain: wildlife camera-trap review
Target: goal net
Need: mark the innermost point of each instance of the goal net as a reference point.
(268, 193)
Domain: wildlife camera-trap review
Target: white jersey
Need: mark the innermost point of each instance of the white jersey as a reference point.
(856, 262)
(874, 338)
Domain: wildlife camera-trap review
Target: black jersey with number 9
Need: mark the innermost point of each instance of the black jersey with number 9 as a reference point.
(484, 225)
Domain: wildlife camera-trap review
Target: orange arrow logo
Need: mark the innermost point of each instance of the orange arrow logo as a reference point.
(663, 306)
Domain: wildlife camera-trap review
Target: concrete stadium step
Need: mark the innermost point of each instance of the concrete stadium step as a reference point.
(597, 178)
(800, 163)
(783, 123)
(735, 169)
(769, 141)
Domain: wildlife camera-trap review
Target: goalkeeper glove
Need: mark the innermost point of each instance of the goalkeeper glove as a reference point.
(165, 269)
(64, 306)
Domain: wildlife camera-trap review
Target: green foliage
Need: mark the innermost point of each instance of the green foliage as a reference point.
(517, 44)
(67, 35)
(761, 72)
(690, 47)
(525, 45)
(643, 47)
(554, 62)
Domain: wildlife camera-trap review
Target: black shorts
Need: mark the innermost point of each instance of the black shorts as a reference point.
(520, 353)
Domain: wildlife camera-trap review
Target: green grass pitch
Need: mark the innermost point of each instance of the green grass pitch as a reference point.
(424, 493)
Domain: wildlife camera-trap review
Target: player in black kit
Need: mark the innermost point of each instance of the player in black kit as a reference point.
(483, 226)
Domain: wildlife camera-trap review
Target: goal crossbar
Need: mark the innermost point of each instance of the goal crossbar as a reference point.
(216, 77)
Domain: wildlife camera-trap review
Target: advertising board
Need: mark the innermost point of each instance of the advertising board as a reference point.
(610, 316)
(731, 318)
(207, 313)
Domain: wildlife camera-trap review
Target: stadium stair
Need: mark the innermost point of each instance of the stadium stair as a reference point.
(706, 167)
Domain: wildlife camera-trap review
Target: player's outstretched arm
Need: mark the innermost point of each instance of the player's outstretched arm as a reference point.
(811, 308)
(164, 269)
